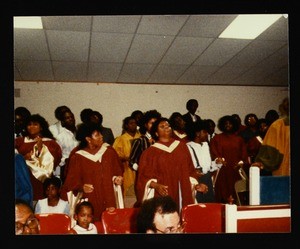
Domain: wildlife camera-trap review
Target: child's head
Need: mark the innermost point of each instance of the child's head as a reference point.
(84, 214)
(51, 187)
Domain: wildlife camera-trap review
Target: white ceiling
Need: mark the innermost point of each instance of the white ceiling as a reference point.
(175, 49)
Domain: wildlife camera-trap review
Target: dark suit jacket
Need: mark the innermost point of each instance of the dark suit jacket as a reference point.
(188, 120)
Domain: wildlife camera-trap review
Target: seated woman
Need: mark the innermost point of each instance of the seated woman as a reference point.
(52, 203)
(40, 150)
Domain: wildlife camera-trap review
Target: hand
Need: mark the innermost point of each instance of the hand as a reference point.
(161, 189)
(39, 143)
(110, 209)
(118, 180)
(28, 155)
(88, 188)
(201, 187)
(219, 160)
(258, 164)
(199, 172)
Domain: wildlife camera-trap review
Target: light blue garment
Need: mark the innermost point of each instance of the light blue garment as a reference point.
(23, 187)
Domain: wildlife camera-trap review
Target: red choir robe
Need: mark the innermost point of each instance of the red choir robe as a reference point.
(253, 146)
(233, 149)
(24, 145)
(173, 168)
(98, 170)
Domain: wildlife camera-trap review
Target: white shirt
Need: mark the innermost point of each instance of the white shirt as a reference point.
(194, 117)
(55, 128)
(92, 229)
(67, 141)
(43, 207)
(203, 155)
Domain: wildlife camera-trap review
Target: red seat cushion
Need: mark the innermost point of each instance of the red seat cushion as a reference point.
(54, 223)
(204, 218)
(122, 220)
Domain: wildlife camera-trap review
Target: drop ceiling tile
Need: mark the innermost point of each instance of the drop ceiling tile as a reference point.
(35, 70)
(161, 24)
(30, 45)
(225, 75)
(197, 74)
(276, 32)
(206, 25)
(70, 71)
(104, 72)
(280, 57)
(170, 73)
(67, 23)
(252, 76)
(264, 69)
(148, 48)
(70, 39)
(115, 24)
(135, 72)
(185, 50)
(68, 45)
(255, 52)
(221, 51)
(109, 47)
(279, 78)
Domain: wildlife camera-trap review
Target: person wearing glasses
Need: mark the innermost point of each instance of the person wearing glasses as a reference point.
(159, 215)
(25, 221)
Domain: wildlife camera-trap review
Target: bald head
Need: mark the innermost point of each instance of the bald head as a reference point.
(23, 215)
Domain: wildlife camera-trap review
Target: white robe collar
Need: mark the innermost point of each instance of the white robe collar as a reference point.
(97, 156)
(180, 135)
(30, 140)
(166, 148)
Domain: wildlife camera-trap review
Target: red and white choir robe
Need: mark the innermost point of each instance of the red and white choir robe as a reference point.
(168, 164)
(40, 166)
(99, 170)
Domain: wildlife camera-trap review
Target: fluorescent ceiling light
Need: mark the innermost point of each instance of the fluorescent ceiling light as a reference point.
(28, 22)
(249, 26)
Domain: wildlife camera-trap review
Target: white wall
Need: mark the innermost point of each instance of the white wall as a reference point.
(116, 101)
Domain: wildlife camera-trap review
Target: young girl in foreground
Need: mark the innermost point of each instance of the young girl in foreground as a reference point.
(84, 214)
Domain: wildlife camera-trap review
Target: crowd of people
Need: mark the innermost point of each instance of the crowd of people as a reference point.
(178, 160)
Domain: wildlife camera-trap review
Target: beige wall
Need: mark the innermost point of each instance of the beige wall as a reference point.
(116, 101)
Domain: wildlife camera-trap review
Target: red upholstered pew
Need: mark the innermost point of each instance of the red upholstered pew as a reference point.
(258, 219)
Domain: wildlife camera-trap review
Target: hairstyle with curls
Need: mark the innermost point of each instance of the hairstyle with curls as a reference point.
(55, 181)
(246, 121)
(231, 119)
(37, 118)
(23, 112)
(86, 130)
(154, 127)
(148, 115)
(60, 110)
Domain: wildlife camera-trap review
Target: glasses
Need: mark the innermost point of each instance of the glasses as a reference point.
(31, 223)
(178, 229)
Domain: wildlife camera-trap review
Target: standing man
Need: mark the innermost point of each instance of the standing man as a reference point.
(191, 117)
